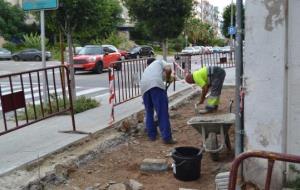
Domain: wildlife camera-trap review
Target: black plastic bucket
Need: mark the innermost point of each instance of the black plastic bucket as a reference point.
(187, 163)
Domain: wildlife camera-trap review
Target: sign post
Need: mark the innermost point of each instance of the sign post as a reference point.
(41, 5)
(232, 30)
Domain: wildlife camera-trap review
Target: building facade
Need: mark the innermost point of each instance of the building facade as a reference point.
(272, 84)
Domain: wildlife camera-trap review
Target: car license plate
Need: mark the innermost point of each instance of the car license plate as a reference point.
(78, 66)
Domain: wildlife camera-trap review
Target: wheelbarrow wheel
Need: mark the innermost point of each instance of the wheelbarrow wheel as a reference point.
(213, 145)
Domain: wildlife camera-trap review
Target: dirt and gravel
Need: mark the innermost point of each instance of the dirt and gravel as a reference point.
(121, 163)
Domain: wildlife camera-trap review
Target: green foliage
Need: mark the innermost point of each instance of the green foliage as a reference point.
(226, 19)
(117, 39)
(140, 32)
(11, 20)
(218, 42)
(55, 51)
(85, 19)
(162, 19)
(11, 46)
(199, 32)
(177, 44)
(33, 41)
(294, 184)
(113, 39)
(81, 104)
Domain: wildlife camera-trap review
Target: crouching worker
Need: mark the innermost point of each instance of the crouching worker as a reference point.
(155, 98)
(208, 78)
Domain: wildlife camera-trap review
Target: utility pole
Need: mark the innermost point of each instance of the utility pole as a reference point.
(239, 125)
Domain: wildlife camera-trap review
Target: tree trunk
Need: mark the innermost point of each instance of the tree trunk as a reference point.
(165, 49)
(71, 65)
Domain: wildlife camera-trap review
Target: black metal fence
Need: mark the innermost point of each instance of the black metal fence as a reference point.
(31, 96)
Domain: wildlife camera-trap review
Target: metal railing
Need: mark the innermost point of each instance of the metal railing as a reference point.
(270, 156)
(24, 99)
(220, 59)
(126, 82)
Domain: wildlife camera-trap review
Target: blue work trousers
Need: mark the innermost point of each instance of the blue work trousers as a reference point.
(156, 98)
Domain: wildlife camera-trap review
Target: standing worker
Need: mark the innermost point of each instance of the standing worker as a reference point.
(155, 97)
(212, 78)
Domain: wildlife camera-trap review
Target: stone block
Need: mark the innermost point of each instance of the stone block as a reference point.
(135, 185)
(117, 186)
(155, 165)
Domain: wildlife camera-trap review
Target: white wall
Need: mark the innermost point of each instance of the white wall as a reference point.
(264, 73)
(293, 107)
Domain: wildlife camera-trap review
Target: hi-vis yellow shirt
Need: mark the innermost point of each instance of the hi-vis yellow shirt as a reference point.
(200, 76)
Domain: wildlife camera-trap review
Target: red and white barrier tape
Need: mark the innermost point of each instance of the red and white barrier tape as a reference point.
(112, 95)
(185, 74)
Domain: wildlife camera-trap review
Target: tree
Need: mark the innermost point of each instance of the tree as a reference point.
(226, 19)
(199, 32)
(163, 19)
(12, 20)
(90, 19)
(86, 19)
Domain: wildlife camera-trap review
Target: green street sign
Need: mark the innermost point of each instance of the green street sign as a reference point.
(29, 5)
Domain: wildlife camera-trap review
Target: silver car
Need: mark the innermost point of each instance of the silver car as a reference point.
(30, 54)
(5, 54)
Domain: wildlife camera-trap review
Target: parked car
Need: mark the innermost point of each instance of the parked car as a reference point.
(5, 54)
(140, 51)
(216, 49)
(96, 58)
(190, 50)
(124, 54)
(30, 54)
(198, 49)
(208, 49)
(226, 49)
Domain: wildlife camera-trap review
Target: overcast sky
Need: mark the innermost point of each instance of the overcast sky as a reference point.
(220, 3)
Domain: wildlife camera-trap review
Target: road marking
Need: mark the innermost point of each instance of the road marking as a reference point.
(89, 91)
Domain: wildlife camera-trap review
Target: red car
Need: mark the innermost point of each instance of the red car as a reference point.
(96, 58)
(124, 54)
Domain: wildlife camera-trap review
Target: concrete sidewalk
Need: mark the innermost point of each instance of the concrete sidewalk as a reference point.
(43, 138)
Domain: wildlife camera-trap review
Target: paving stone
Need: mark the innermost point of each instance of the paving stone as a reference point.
(135, 185)
(90, 188)
(150, 164)
(117, 186)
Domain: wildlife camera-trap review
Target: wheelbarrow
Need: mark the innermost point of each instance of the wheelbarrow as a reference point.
(209, 126)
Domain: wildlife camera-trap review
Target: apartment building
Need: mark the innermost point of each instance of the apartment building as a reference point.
(207, 12)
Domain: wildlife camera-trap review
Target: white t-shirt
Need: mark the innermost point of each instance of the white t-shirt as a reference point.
(153, 76)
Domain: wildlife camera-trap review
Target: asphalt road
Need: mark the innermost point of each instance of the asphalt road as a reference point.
(87, 83)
